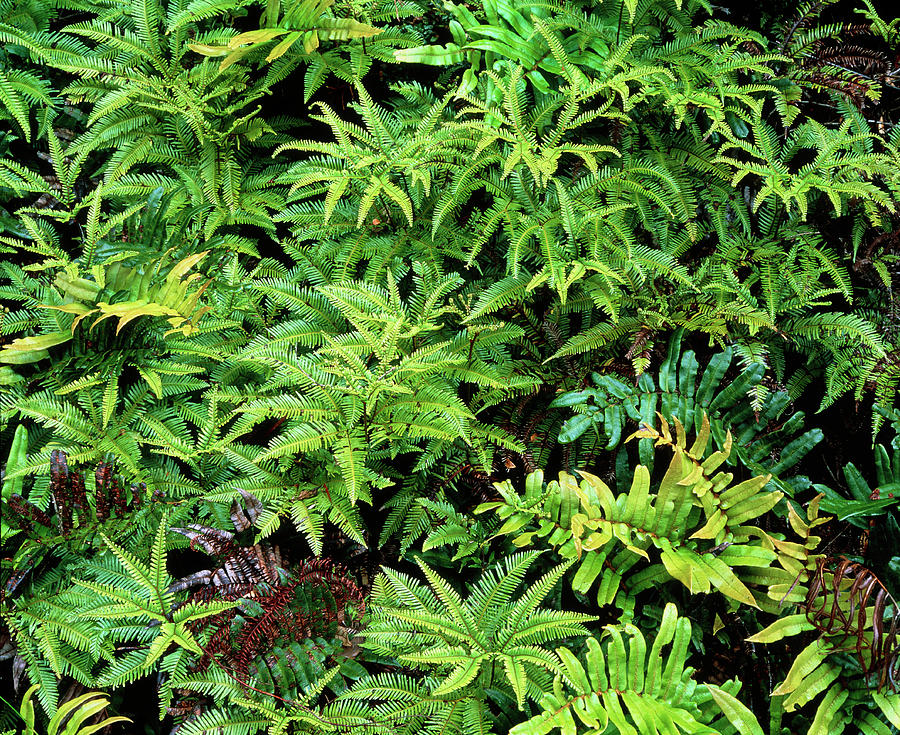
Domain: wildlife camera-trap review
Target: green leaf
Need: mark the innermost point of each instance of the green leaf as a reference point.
(782, 628)
(433, 55)
(735, 711)
(889, 704)
(574, 427)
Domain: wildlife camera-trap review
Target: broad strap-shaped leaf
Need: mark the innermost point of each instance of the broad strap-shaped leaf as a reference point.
(618, 684)
(694, 522)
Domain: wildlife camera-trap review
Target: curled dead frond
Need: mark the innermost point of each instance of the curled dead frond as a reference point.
(846, 599)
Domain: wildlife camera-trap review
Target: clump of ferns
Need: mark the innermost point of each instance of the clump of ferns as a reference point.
(288, 618)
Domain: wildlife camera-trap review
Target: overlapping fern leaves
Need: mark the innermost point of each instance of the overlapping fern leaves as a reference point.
(693, 510)
(382, 305)
(387, 384)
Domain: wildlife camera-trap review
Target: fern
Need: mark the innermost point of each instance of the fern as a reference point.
(70, 631)
(302, 21)
(389, 384)
(832, 596)
(73, 713)
(681, 390)
(693, 521)
(650, 690)
(433, 627)
(367, 320)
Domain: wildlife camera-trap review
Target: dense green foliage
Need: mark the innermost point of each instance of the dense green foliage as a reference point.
(304, 300)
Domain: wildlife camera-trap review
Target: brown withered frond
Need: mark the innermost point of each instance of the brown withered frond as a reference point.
(639, 342)
(244, 517)
(846, 599)
(848, 58)
(68, 497)
(240, 568)
(858, 58)
(313, 600)
(278, 604)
